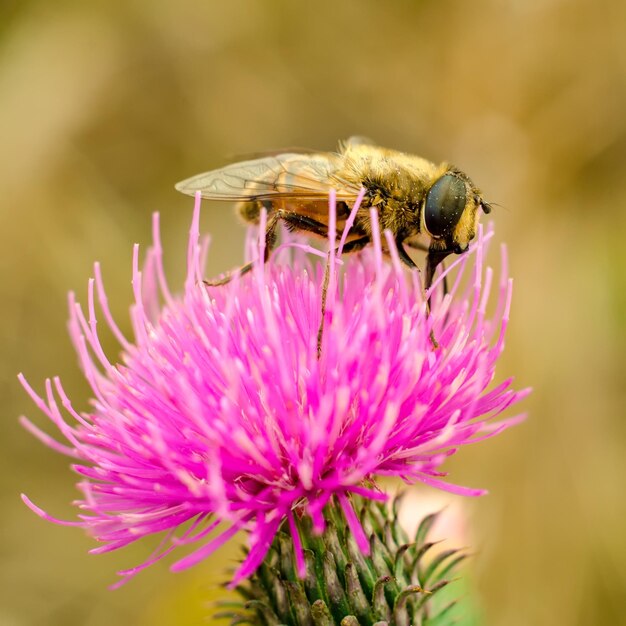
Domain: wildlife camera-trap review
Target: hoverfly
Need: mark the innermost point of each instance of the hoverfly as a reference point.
(412, 195)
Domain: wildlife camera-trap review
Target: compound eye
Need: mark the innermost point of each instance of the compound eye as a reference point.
(444, 205)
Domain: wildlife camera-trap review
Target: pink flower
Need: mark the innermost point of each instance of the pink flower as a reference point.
(221, 416)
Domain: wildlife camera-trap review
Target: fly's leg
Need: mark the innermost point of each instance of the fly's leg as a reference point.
(354, 246)
(294, 221)
(404, 257)
(407, 260)
(430, 274)
(416, 245)
(270, 241)
(351, 246)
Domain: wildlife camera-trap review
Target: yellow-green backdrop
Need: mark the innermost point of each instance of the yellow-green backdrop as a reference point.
(105, 105)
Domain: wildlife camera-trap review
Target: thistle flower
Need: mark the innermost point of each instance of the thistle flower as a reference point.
(222, 414)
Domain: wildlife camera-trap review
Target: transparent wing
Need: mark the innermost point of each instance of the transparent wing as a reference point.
(282, 176)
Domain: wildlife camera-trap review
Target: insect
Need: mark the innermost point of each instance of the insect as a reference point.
(412, 196)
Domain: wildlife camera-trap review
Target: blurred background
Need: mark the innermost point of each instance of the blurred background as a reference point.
(104, 106)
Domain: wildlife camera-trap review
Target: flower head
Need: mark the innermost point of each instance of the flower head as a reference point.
(222, 414)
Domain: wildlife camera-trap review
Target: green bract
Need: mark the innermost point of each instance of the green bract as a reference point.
(397, 584)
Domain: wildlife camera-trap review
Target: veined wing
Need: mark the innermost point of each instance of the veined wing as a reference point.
(290, 175)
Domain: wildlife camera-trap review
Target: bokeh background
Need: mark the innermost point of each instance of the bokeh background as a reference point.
(105, 105)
